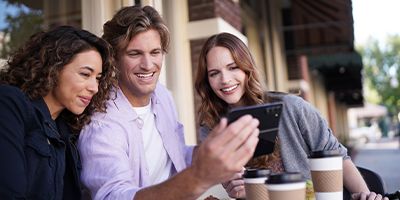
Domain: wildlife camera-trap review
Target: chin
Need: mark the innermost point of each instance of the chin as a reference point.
(77, 111)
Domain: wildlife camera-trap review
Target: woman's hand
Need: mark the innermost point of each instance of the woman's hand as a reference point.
(368, 196)
(235, 186)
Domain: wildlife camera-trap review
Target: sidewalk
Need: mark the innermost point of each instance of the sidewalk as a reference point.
(382, 157)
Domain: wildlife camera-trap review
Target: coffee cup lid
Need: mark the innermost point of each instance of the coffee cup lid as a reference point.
(323, 154)
(289, 177)
(256, 172)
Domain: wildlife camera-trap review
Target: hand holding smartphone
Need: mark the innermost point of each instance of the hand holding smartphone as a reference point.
(269, 116)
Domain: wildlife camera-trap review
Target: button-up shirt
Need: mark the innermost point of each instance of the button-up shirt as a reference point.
(111, 146)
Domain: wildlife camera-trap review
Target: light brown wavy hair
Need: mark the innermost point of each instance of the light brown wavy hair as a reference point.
(212, 108)
(35, 67)
(130, 21)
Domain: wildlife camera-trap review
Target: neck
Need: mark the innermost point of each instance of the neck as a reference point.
(54, 109)
(135, 100)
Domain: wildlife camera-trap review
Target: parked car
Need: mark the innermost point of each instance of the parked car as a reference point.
(365, 134)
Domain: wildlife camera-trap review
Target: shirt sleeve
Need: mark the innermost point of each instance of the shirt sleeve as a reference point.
(107, 170)
(13, 114)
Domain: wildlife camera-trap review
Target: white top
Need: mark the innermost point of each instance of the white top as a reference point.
(158, 162)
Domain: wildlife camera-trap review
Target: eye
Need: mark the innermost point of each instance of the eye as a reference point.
(212, 74)
(234, 67)
(156, 52)
(133, 54)
(84, 74)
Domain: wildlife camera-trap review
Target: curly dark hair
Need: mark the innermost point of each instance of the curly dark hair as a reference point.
(212, 108)
(35, 67)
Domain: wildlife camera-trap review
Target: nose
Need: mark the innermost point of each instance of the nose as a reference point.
(225, 78)
(146, 62)
(93, 85)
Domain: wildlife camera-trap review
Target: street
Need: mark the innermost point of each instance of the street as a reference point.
(383, 157)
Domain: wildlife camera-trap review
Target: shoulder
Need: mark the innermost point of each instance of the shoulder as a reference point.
(11, 91)
(104, 132)
(290, 101)
(294, 105)
(163, 95)
(12, 96)
(161, 92)
(118, 108)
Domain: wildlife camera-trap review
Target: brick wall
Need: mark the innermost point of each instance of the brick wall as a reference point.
(206, 9)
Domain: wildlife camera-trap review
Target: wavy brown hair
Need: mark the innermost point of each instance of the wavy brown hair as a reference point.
(212, 108)
(35, 67)
(130, 21)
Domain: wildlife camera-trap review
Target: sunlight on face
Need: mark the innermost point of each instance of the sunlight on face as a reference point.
(225, 76)
(140, 65)
(77, 83)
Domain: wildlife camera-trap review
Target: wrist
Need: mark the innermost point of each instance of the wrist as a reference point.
(200, 183)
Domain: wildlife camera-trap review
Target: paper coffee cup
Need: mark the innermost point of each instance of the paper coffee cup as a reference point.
(327, 174)
(254, 183)
(286, 186)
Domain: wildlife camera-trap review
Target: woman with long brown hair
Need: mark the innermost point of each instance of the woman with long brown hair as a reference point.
(227, 77)
(49, 90)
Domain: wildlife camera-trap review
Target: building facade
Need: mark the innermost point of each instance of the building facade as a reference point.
(300, 46)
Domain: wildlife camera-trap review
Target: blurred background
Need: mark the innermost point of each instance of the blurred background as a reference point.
(342, 56)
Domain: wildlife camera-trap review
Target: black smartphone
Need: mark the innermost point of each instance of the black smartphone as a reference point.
(269, 115)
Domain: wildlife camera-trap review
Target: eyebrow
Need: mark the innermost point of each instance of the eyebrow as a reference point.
(230, 64)
(88, 68)
(141, 51)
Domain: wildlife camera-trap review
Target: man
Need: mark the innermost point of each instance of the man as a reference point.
(136, 150)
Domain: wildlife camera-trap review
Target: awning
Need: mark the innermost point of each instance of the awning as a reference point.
(349, 60)
(342, 75)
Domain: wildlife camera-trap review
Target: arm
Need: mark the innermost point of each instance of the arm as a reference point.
(225, 151)
(355, 183)
(13, 183)
(352, 178)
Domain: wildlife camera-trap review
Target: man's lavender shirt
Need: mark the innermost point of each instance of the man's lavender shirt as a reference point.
(112, 152)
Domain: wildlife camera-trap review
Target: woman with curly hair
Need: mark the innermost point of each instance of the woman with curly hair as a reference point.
(49, 90)
(227, 77)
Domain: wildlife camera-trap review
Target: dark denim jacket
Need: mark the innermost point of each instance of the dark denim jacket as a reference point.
(35, 151)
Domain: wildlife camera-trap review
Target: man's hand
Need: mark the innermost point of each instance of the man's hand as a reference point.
(226, 150)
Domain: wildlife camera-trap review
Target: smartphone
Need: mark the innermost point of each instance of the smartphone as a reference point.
(269, 115)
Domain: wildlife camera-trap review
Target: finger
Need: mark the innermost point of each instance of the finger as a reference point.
(239, 192)
(245, 152)
(235, 185)
(233, 130)
(371, 196)
(378, 197)
(363, 196)
(241, 136)
(218, 128)
(237, 176)
(355, 196)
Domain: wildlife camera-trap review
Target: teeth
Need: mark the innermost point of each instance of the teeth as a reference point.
(144, 75)
(229, 88)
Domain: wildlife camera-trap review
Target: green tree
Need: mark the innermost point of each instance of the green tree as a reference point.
(381, 72)
(19, 28)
